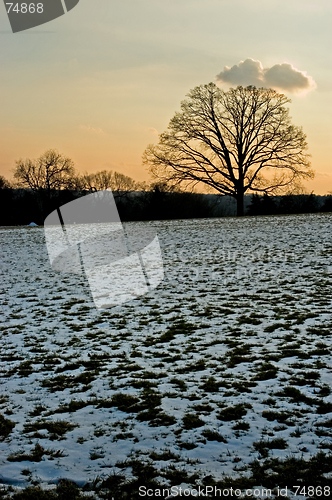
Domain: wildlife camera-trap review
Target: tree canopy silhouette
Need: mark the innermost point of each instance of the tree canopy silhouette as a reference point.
(107, 179)
(51, 171)
(4, 184)
(235, 141)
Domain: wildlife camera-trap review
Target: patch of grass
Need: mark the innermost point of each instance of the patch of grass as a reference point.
(25, 369)
(6, 427)
(305, 378)
(74, 365)
(241, 426)
(50, 361)
(271, 472)
(165, 456)
(167, 359)
(176, 476)
(179, 383)
(187, 446)
(252, 319)
(276, 471)
(193, 396)
(72, 406)
(320, 351)
(124, 402)
(145, 472)
(269, 402)
(281, 416)
(192, 421)
(279, 428)
(230, 413)
(62, 382)
(144, 374)
(37, 411)
(275, 326)
(150, 399)
(11, 357)
(300, 318)
(26, 472)
(324, 445)
(94, 455)
(274, 444)
(319, 330)
(204, 408)
(324, 407)
(194, 367)
(33, 493)
(239, 354)
(143, 384)
(266, 371)
(243, 386)
(295, 396)
(312, 375)
(210, 385)
(297, 433)
(3, 399)
(162, 419)
(324, 391)
(180, 327)
(263, 447)
(35, 455)
(122, 435)
(213, 436)
(291, 350)
(327, 423)
(146, 406)
(57, 429)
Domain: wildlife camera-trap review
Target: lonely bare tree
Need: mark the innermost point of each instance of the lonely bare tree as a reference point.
(45, 176)
(235, 141)
(51, 171)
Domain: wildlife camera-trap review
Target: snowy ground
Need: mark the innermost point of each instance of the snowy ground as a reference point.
(228, 360)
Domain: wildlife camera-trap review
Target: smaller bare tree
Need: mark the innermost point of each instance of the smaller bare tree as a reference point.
(51, 171)
(107, 179)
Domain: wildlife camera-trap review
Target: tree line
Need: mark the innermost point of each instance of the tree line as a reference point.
(20, 206)
(53, 171)
(40, 186)
(240, 144)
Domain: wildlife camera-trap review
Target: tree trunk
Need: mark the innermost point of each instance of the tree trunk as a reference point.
(240, 205)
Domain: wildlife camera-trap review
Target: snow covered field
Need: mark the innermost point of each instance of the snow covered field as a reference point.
(227, 361)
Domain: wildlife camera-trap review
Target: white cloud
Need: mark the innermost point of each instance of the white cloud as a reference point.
(92, 130)
(248, 72)
(153, 131)
(323, 174)
(280, 76)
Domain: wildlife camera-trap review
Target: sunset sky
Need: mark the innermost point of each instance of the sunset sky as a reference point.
(101, 82)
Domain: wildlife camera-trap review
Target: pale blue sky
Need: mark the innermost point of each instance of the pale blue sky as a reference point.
(101, 81)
